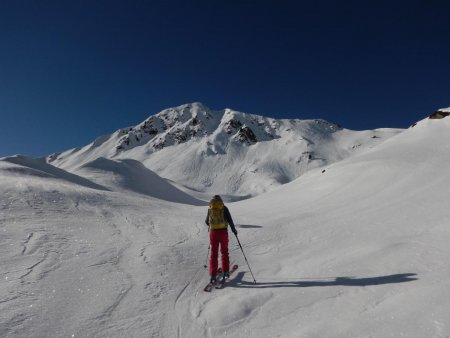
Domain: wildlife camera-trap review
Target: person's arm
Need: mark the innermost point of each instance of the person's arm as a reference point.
(229, 220)
(207, 218)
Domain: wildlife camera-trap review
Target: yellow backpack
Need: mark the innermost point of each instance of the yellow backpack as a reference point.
(216, 215)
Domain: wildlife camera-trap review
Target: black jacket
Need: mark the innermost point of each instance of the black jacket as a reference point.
(228, 219)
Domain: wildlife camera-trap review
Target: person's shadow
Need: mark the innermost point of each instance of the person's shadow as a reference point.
(238, 282)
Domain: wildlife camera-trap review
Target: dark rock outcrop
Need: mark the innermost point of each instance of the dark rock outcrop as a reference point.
(438, 115)
(246, 135)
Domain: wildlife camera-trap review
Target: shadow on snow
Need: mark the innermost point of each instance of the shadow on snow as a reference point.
(238, 282)
(248, 226)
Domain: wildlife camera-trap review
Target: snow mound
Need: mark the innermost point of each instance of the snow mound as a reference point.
(26, 166)
(131, 175)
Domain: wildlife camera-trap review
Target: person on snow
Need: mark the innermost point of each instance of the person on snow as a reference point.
(218, 219)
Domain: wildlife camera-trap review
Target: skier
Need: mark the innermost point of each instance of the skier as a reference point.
(218, 219)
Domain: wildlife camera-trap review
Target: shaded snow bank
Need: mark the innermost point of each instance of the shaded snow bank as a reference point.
(130, 175)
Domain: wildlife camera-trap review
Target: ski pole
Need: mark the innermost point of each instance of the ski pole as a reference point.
(254, 280)
(206, 262)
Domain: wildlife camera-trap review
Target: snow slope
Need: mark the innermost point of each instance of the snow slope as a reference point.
(131, 175)
(238, 154)
(358, 248)
(361, 249)
(38, 167)
(86, 262)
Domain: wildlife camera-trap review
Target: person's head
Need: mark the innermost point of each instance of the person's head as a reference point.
(217, 197)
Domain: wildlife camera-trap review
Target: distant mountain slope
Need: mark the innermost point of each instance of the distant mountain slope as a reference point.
(227, 151)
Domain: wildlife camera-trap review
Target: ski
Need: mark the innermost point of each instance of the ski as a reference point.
(210, 285)
(221, 283)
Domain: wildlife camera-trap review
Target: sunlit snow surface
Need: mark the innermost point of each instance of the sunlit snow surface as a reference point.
(357, 248)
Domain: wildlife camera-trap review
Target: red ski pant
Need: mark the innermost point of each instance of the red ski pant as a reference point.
(218, 237)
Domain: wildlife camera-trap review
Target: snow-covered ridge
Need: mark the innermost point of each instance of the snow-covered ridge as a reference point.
(178, 125)
(225, 151)
(181, 124)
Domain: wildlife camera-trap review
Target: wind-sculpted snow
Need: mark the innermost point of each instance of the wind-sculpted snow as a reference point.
(74, 258)
(221, 312)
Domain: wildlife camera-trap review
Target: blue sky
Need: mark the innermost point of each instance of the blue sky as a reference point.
(74, 70)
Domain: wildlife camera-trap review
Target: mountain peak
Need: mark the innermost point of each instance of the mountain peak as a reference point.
(226, 151)
(170, 126)
(194, 120)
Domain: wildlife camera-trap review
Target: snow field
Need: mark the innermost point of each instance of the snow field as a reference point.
(359, 250)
